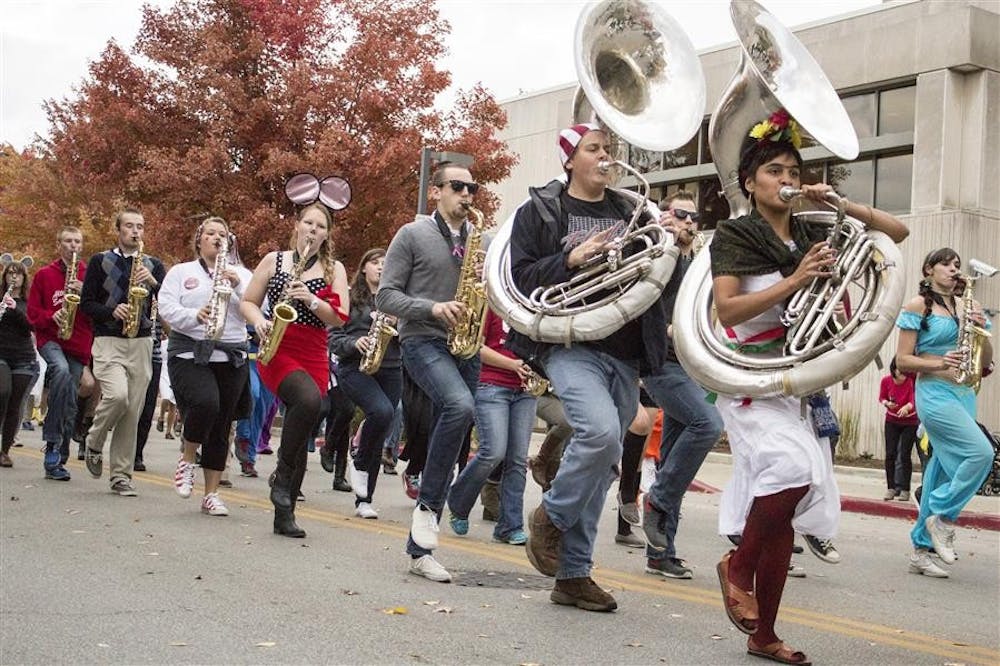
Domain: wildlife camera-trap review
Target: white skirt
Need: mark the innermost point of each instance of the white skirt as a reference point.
(775, 449)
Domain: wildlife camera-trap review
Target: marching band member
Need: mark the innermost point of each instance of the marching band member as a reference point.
(65, 359)
(419, 284)
(505, 416)
(122, 365)
(376, 394)
(782, 479)
(691, 425)
(18, 363)
(208, 376)
(928, 345)
(554, 234)
(298, 374)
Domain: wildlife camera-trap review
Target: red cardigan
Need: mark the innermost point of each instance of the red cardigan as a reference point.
(44, 298)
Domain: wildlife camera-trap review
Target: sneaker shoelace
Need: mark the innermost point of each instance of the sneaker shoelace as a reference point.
(212, 502)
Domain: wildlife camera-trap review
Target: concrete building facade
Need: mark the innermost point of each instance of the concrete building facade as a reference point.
(921, 82)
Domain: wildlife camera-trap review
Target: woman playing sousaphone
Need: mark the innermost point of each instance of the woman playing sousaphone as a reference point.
(782, 480)
(315, 284)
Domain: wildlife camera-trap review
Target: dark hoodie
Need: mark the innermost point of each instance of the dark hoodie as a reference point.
(538, 258)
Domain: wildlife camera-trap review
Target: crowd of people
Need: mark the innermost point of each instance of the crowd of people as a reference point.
(296, 335)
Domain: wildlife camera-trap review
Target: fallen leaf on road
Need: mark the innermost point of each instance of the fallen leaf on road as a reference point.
(633, 644)
(79, 532)
(398, 610)
(72, 512)
(152, 554)
(103, 645)
(349, 593)
(197, 577)
(525, 596)
(14, 498)
(266, 644)
(676, 615)
(431, 603)
(178, 644)
(481, 636)
(443, 609)
(716, 637)
(487, 606)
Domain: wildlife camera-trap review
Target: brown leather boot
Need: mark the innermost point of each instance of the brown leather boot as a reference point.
(583, 593)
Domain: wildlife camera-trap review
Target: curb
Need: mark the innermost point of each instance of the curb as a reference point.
(983, 521)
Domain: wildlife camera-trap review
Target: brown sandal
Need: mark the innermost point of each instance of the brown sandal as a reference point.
(740, 605)
(779, 652)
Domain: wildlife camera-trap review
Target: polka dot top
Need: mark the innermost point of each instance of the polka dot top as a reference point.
(317, 286)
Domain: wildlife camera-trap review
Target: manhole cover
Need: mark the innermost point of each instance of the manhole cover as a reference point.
(503, 580)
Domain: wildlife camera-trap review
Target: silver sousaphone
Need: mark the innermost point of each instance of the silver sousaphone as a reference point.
(642, 79)
(822, 348)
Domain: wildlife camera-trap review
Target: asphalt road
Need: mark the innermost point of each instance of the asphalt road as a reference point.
(89, 577)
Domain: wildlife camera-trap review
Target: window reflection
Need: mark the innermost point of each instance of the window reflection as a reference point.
(893, 183)
(861, 110)
(711, 204)
(895, 110)
(854, 180)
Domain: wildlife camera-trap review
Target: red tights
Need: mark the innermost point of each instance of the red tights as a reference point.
(760, 563)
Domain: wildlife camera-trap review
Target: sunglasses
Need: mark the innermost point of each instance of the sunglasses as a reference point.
(458, 185)
(682, 214)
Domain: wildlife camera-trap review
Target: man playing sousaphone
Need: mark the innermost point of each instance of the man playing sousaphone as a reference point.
(560, 229)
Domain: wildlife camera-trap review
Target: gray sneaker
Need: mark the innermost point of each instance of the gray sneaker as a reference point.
(669, 567)
(632, 540)
(124, 488)
(629, 511)
(654, 524)
(95, 463)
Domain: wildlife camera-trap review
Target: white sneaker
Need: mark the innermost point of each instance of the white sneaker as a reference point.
(424, 528)
(359, 480)
(942, 536)
(184, 478)
(429, 568)
(213, 506)
(365, 510)
(921, 563)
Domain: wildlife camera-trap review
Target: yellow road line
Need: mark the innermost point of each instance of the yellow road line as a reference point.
(823, 622)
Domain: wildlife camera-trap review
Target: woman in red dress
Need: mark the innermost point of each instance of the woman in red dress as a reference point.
(299, 372)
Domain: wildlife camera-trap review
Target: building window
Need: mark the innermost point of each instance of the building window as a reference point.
(893, 176)
(861, 111)
(895, 110)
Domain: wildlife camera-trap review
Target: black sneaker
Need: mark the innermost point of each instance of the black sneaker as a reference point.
(95, 463)
(915, 496)
(823, 549)
(139, 466)
(669, 567)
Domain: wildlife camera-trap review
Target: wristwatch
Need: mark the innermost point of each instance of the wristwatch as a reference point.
(314, 304)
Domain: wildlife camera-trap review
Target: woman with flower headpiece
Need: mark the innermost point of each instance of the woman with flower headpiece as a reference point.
(782, 478)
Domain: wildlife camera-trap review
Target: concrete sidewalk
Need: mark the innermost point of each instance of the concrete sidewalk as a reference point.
(861, 491)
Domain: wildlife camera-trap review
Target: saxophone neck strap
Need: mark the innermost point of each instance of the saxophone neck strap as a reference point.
(310, 262)
(457, 249)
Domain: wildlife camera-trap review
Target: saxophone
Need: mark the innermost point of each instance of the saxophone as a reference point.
(71, 301)
(283, 313)
(535, 384)
(136, 297)
(465, 339)
(971, 338)
(381, 334)
(222, 290)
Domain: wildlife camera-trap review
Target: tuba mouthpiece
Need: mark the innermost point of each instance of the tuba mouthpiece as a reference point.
(788, 193)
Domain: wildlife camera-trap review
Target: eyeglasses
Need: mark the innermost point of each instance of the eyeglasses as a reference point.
(682, 214)
(458, 185)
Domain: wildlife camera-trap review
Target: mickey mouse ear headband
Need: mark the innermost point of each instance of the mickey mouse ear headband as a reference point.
(304, 188)
(7, 259)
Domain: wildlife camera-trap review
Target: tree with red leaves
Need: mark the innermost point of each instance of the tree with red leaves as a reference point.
(221, 100)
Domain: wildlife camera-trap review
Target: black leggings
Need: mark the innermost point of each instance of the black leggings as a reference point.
(339, 410)
(628, 486)
(208, 395)
(12, 390)
(303, 405)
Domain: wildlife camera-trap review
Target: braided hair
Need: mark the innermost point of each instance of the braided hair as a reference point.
(944, 255)
(325, 252)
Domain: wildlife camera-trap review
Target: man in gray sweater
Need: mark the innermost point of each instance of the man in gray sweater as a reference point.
(419, 283)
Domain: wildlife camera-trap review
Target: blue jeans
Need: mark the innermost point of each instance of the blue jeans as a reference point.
(62, 375)
(450, 383)
(600, 395)
(691, 426)
(391, 444)
(377, 395)
(250, 428)
(504, 419)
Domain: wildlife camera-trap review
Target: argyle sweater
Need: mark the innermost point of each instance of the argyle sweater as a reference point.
(106, 285)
